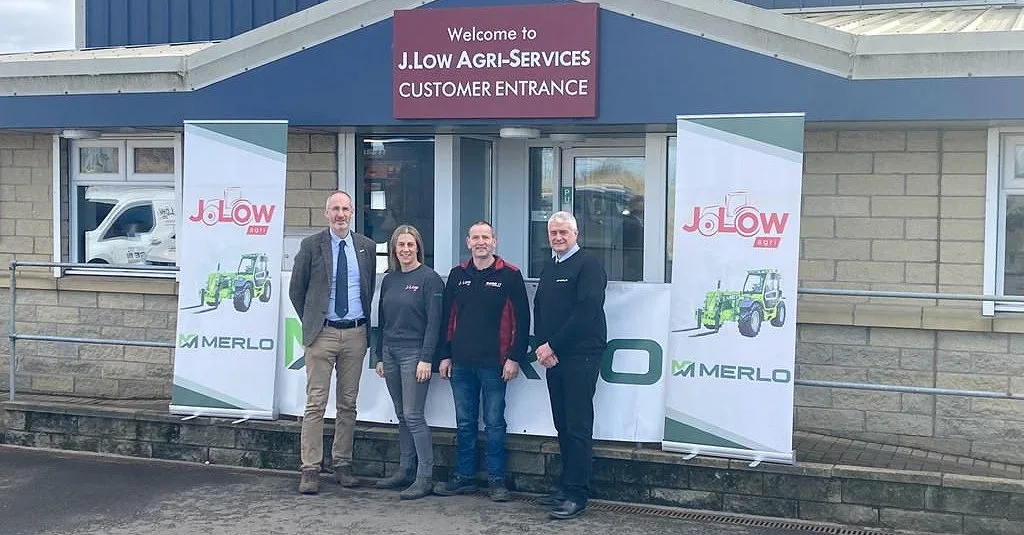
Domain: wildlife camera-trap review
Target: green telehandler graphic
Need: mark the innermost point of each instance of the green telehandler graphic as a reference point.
(760, 300)
(251, 279)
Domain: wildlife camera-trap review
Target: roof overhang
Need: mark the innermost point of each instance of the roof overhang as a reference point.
(788, 37)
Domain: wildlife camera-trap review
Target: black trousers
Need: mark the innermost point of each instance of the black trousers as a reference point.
(571, 386)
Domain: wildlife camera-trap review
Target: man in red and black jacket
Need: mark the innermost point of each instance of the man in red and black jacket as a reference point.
(485, 338)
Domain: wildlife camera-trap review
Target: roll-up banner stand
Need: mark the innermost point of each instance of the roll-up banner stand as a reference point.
(230, 243)
(736, 240)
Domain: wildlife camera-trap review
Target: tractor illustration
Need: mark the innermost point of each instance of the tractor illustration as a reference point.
(735, 215)
(760, 300)
(251, 279)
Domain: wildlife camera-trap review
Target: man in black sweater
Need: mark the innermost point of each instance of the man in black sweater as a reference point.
(486, 332)
(571, 333)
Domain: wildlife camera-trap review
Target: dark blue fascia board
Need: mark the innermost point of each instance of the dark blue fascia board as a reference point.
(648, 74)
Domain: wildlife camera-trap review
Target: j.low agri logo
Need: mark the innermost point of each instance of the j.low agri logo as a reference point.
(739, 216)
(690, 368)
(234, 209)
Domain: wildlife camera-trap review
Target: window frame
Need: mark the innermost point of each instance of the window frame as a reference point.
(68, 192)
(652, 145)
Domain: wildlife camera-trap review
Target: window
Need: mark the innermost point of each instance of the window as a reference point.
(1011, 210)
(124, 202)
(395, 186)
(542, 205)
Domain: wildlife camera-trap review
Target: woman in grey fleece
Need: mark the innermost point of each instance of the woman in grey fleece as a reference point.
(409, 317)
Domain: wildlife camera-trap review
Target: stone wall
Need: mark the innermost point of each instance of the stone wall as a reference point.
(982, 428)
(894, 210)
(26, 197)
(312, 175)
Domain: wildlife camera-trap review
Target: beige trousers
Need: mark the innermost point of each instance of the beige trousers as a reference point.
(341, 351)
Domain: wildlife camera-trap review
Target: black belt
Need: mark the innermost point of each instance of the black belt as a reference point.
(345, 324)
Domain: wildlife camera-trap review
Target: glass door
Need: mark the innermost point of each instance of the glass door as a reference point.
(605, 189)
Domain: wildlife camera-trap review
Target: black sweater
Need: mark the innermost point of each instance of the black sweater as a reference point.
(487, 315)
(568, 309)
(409, 312)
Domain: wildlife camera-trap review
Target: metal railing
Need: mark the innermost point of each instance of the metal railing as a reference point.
(910, 295)
(15, 336)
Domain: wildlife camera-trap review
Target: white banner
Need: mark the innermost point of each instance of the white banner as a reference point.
(231, 240)
(629, 399)
(729, 387)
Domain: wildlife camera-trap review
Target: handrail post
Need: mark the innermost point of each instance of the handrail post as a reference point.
(13, 359)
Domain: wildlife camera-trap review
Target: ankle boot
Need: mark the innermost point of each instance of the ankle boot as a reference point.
(310, 482)
(423, 486)
(343, 475)
(399, 480)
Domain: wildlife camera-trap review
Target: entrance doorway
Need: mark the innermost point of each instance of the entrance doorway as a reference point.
(604, 188)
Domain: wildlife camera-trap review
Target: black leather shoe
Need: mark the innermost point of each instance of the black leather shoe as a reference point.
(554, 499)
(569, 509)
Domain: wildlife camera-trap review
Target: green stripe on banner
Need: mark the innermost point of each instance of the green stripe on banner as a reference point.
(784, 131)
(260, 134)
(680, 432)
(190, 398)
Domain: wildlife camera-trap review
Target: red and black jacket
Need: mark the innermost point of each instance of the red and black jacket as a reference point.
(488, 315)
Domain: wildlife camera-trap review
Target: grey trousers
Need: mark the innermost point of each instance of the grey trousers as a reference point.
(416, 450)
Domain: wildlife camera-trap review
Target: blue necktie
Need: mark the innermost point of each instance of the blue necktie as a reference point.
(341, 283)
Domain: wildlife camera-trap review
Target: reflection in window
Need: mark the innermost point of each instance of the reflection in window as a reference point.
(98, 160)
(126, 224)
(542, 202)
(1013, 267)
(1018, 165)
(474, 187)
(395, 186)
(154, 160)
(609, 208)
(132, 222)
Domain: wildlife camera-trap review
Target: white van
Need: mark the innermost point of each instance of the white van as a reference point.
(139, 220)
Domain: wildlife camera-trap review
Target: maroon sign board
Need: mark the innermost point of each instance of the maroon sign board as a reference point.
(496, 62)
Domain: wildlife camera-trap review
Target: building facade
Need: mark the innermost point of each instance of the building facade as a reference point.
(913, 152)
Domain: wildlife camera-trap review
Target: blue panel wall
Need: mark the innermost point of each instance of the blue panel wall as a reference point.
(144, 22)
(647, 74)
(139, 22)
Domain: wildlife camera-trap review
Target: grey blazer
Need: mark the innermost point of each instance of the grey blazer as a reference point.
(311, 280)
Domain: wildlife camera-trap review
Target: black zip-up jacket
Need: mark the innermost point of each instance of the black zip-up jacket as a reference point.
(487, 315)
(568, 309)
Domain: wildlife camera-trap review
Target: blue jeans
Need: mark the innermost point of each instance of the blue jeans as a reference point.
(469, 385)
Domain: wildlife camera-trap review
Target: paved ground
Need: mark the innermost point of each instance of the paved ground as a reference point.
(65, 493)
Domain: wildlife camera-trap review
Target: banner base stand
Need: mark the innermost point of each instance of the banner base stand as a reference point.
(756, 457)
(240, 415)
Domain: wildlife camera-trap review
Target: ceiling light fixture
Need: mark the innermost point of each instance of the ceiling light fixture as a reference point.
(567, 137)
(79, 134)
(515, 132)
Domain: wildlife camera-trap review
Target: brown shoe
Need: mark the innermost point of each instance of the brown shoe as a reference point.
(343, 475)
(310, 483)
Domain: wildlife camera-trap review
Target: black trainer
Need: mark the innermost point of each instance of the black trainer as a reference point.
(499, 492)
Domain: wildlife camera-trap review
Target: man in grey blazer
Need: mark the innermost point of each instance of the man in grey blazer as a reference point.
(332, 284)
